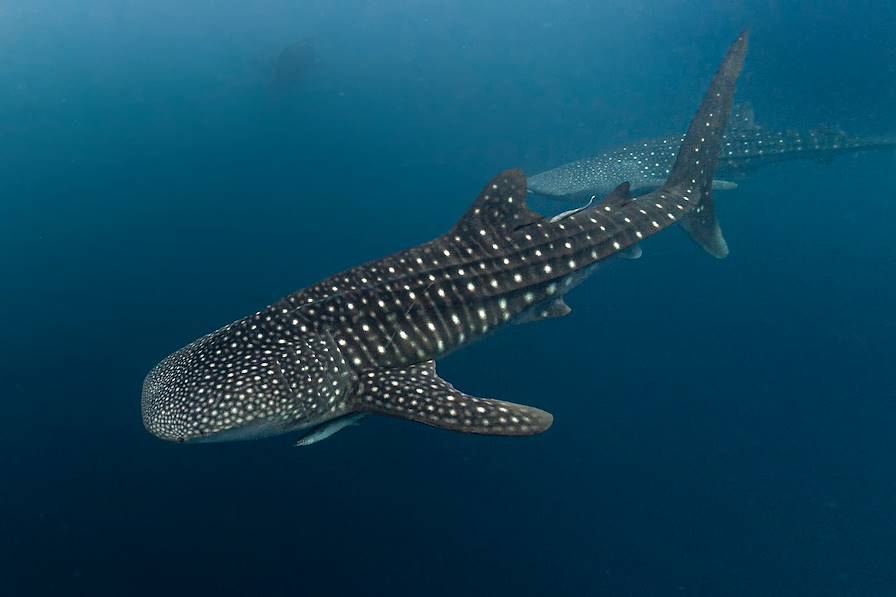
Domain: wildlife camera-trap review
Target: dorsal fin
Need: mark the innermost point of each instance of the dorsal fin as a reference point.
(618, 196)
(743, 118)
(501, 206)
(554, 308)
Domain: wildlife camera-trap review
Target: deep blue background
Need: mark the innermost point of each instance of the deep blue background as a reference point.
(722, 427)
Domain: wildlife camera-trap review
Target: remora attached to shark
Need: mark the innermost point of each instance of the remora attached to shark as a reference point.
(745, 147)
(364, 341)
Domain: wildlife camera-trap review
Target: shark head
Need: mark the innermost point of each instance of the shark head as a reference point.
(242, 382)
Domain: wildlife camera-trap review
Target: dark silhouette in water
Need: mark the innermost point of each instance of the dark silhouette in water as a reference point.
(291, 66)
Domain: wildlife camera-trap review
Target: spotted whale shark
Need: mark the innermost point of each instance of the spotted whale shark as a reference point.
(365, 341)
(746, 146)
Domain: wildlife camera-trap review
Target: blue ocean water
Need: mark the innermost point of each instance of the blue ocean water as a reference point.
(721, 427)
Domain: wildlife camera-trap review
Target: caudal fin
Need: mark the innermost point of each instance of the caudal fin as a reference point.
(695, 165)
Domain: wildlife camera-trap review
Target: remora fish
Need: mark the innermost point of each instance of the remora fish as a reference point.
(364, 341)
(745, 147)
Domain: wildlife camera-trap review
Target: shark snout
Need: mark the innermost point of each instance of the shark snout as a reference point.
(163, 416)
(219, 388)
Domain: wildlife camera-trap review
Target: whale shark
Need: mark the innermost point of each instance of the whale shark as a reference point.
(365, 341)
(746, 146)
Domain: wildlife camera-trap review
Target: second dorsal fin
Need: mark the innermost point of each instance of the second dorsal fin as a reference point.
(618, 196)
(743, 118)
(500, 206)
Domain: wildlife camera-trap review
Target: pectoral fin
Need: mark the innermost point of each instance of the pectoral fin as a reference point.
(723, 185)
(550, 310)
(632, 252)
(558, 308)
(418, 394)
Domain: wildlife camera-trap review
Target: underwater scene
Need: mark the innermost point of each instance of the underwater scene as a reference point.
(407, 297)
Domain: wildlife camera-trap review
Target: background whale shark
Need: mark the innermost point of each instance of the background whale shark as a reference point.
(290, 67)
(746, 146)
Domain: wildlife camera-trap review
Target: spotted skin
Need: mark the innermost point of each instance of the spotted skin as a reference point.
(418, 394)
(254, 377)
(746, 147)
(364, 341)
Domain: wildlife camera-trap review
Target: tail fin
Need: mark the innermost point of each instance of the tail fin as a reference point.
(699, 153)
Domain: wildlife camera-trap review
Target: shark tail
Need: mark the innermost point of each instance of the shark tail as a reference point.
(692, 175)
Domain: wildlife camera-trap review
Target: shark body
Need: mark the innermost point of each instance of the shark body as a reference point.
(364, 341)
(745, 147)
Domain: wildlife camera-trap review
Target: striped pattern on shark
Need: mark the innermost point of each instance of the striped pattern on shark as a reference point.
(364, 341)
(745, 147)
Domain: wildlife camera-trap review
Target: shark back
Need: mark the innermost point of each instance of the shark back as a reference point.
(644, 165)
(746, 150)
